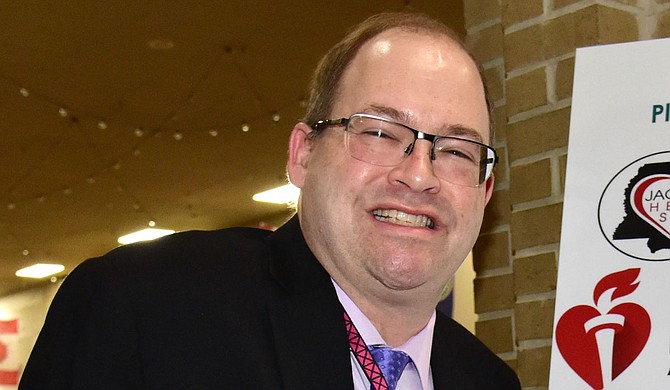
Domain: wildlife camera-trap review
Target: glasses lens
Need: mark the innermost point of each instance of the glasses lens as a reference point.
(385, 143)
(377, 141)
(462, 162)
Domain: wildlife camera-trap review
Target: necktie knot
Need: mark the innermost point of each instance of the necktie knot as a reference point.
(391, 362)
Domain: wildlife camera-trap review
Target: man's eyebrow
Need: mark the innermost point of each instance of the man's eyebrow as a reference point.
(396, 115)
(462, 131)
(455, 130)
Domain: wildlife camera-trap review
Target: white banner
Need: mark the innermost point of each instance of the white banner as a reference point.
(612, 318)
(9, 358)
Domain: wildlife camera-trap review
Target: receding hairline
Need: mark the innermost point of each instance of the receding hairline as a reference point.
(340, 57)
(447, 38)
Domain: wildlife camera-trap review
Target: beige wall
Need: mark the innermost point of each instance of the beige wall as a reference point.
(528, 49)
(464, 298)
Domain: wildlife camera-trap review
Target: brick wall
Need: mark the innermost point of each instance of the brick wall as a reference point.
(528, 49)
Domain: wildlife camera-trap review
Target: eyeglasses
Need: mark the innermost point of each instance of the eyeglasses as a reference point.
(383, 142)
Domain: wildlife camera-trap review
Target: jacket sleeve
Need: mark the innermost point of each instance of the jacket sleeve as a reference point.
(88, 340)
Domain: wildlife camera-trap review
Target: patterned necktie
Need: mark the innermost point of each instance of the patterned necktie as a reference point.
(391, 362)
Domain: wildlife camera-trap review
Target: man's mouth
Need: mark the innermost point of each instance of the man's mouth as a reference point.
(402, 218)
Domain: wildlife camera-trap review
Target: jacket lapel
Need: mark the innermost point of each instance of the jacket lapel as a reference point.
(446, 361)
(306, 316)
(439, 361)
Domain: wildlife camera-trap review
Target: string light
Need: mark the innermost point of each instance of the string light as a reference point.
(269, 117)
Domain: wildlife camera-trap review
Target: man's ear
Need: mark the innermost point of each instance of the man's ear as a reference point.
(489, 188)
(299, 150)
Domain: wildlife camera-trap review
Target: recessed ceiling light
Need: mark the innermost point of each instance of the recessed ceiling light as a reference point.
(39, 271)
(144, 235)
(160, 44)
(286, 194)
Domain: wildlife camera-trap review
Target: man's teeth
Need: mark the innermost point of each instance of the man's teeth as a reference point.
(402, 218)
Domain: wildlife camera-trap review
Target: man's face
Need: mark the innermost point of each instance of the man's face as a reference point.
(431, 85)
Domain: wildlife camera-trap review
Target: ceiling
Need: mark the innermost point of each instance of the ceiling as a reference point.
(115, 114)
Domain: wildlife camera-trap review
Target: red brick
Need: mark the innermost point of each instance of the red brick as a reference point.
(533, 367)
(527, 91)
(494, 293)
(538, 134)
(491, 252)
(496, 334)
(537, 226)
(534, 320)
(530, 181)
(515, 11)
(535, 274)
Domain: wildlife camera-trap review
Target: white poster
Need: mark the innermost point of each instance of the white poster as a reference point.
(612, 318)
(9, 360)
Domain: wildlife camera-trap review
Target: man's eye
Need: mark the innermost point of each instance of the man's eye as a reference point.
(379, 133)
(457, 153)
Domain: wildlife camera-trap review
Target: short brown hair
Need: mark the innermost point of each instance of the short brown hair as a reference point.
(324, 86)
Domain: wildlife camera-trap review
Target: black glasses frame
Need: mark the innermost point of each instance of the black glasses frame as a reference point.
(432, 138)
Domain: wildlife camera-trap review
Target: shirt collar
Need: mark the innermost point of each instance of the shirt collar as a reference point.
(418, 347)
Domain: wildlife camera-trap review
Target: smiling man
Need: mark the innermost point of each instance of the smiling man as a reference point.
(389, 208)
(395, 167)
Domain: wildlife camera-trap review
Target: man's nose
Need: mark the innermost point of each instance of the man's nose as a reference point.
(416, 170)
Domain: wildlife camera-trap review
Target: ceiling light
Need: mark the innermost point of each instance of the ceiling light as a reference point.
(160, 44)
(39, 271)
(144, 235)
(286, 194)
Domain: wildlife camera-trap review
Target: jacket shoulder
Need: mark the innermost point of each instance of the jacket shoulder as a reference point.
(464, 358)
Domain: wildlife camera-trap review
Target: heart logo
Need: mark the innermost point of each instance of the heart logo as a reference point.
(651, 201)
(583, 346)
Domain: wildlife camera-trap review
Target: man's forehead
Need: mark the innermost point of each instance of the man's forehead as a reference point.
(398, 50)
(408, 74)
(385, 42)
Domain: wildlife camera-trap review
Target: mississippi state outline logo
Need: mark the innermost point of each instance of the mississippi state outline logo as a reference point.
(634, 209)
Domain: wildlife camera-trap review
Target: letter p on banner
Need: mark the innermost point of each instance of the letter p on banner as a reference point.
(9, 362)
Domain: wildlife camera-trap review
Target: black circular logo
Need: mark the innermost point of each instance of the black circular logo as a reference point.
(634, 209)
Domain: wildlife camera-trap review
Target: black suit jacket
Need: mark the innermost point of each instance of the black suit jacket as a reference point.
(231, 309)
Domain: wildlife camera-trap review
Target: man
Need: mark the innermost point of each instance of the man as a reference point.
(395, 172)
